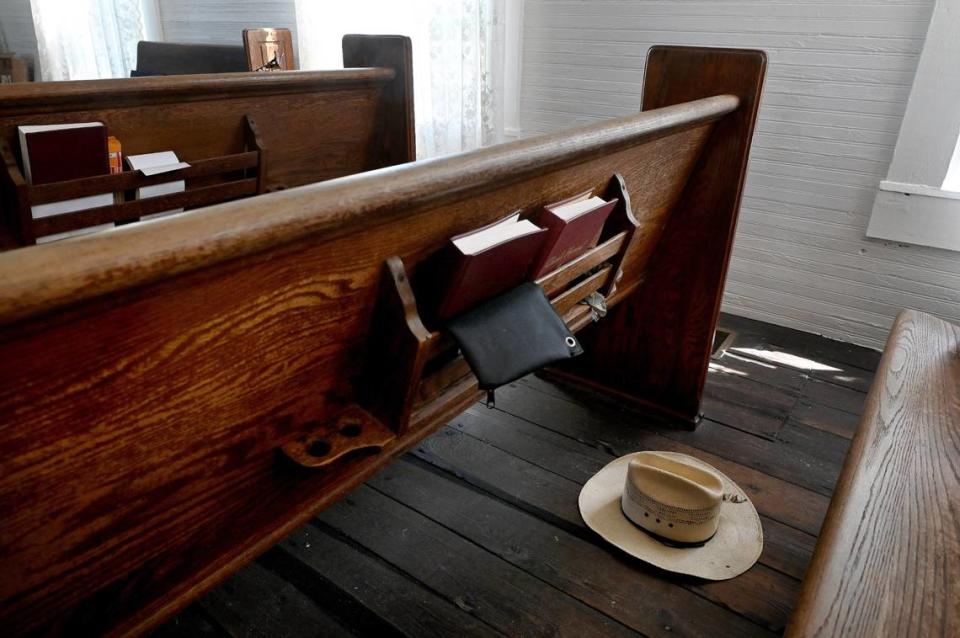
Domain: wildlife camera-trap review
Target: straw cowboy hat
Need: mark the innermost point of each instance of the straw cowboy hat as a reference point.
(676, 512)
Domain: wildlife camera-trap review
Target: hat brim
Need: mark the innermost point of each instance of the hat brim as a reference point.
(732, 551)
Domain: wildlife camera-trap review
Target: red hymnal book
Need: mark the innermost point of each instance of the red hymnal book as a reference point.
(61, 152)
(573, 227)
(483, 263)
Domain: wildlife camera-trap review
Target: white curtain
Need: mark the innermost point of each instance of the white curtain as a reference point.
(458, 60)
(87, 39)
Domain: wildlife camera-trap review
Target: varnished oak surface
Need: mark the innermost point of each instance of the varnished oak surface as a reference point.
(658, 360)
(43, 97)
(49, 276)
(200, 117)
(476, 531)
(888, 561)
(314, 125)
(152, 373)
(204, 375)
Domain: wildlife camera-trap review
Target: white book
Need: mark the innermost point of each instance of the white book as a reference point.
(575, 209)
(155, 164)
(506, 229)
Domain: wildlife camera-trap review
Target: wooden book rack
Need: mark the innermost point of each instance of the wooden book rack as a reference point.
(178, 396)
(208, 181)
(317, 125)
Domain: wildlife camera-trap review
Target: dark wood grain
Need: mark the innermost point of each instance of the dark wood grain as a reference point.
(888, 560)
(658, 359)
(258, 602)
(620, 432)
(500, 594)
(376, 598)
(636, 596)
(397, 134)
(786, 549)
(508, 485)
(150, 375)
(758, 594)
(758, 335)
(220, 354)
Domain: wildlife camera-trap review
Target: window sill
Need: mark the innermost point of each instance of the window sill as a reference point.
(916, 214)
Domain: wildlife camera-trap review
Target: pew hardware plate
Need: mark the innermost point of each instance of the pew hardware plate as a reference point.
(354, 430)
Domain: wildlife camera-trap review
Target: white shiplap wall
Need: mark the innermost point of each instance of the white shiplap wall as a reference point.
(837, 83)
(223, 21)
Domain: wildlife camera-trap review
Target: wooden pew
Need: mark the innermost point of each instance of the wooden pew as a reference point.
(176, 58)
(887, 562)
(180, 395)
(295, 127)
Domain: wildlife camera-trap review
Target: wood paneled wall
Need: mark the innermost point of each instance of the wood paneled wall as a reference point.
(837, 85)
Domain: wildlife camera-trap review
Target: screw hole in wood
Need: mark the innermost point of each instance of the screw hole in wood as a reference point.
(351, 430)
(319, 448)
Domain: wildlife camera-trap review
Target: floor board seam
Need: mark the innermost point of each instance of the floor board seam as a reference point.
(583, 534)
(460, 478)
(271, 562)
(504, 560)
(328, 529)
(671, 433)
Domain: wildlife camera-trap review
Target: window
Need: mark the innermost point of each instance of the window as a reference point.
(919, 202)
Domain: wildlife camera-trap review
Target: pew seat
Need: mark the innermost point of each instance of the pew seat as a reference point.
(887, 562)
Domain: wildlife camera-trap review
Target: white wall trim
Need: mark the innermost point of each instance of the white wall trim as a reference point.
(912, 206)
(914, 218)
(931, 122)
(917, 189)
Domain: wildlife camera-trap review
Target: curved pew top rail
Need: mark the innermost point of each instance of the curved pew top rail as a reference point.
(152, 374)
(887, 562)
(313, 125)
(53, 275)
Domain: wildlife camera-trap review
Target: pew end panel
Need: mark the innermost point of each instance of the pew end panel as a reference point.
(318, 125)
(653, 351)
(396, 137)
(163, 379)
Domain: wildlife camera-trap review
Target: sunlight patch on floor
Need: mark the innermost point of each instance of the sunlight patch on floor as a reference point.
(786, 359)
(716, 367)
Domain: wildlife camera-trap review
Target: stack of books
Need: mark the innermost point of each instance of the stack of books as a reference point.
(483, 263)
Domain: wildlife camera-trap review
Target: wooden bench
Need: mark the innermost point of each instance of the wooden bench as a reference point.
(887, 562)
(178, 396)
(247, 133)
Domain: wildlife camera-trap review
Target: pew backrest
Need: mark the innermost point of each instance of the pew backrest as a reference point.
(313, 125)
(176, 58)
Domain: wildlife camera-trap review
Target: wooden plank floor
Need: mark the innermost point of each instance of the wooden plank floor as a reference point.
(477, 532)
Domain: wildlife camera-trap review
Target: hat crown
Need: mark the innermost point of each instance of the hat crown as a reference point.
(671, 498)
(673, 482)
